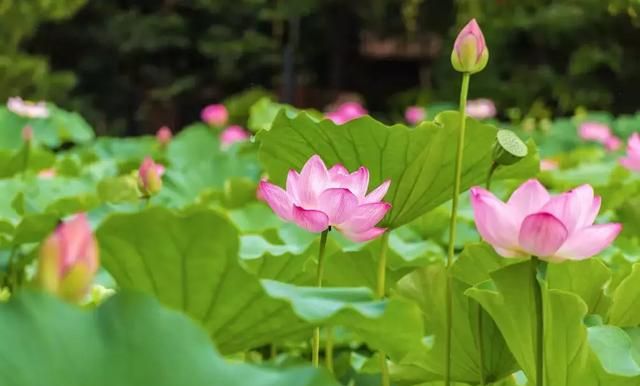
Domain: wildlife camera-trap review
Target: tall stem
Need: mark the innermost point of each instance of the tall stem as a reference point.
(537, 297)
(452, 223)
(479, 324)
(492, 170)
(380, 290)
(315, 343)
(328, 349)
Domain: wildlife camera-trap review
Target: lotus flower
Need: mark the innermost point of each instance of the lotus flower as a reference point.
(27, 109)
(164, 135)
(346, 112)
(548, 164)
(415, 114)
(632, 160)
(215, 115)
(317, 198)
(532, 222)
(613, 143)
(481, 108)
(594, 131)
(69, 259)
(233, 134)
(150, 177)
(470, 53)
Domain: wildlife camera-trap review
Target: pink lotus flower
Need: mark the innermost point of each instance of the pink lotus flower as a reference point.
(164, 135)
(27, 133)
(27, 109)
(317, 199)
(632, 160)
(150, 177)
(69, 259)
(470, 53)
(532, 222)
(548, 164)
(481, 108)
(594, 131)
(233, 134)
(346, 112)
(415, 114)
(215, 115)
(613, 143)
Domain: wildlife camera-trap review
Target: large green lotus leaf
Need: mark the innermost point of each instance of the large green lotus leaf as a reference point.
(265, 111)
(426, 287)
(129, 340)
(124, 149)
(569, 359)
(616, 350)
(586, 278)
(190, 263)
(624, 311)
(418, 161)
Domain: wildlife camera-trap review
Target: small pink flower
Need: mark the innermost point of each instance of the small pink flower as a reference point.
(215, 115)
(47, 173)
(470, 53)
(613, 143)
(150, 177)
(632, 160)
(69, 259)
(27, 133)
(532, 222)
(548, 164)
(594, 131)
(415, 114)
(317, 198)
(346, 112)
(164, 135)
(233, 134)
(27, 109)
(481, 108)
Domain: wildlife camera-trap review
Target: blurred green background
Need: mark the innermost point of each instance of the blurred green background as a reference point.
(131, 66)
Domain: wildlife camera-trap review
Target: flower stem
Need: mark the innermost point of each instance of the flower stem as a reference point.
(492, 170)
(380, 291)
(315, 343)
(452, 223)
(479, 328)
(328, 350)
(537, 297)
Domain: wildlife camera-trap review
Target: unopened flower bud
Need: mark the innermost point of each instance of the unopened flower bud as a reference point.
(150, 177)
(470, 53)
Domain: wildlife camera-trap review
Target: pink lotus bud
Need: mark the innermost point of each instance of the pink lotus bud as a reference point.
(150, 177)
(415, 114)
(533, 222)
(632, 160)
(594, 131)
(27, 133)
(470, 53)
(548, 164)
(317, 198)
(69, 260)
(233, 134)
(164, 135)
(215, 115)
(346, 112)
(481, 108)
(613, 143)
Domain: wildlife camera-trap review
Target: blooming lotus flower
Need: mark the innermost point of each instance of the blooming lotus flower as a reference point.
(532, 222)
(632, 160)
(164, 135)
(215, 115)
(613, 143)
(317, 198)
(594, 131)
(346, 112)
(415, 114)
(149, 177)
(470, 53)
(548, 164)
(481, 108)
(233, 134)
(27, 133)
(69, 259)
(27, 109)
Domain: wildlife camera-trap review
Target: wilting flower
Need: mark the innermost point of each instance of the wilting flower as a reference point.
(164, 135)
(346, 112)
(415, 114)
(594, 131)
(27, 109)
(632, 160)
(548, 164)
(532, 222)
(470, 53)
(150, 177)
(481, 108)
(233, 134)
(318, 198)
(613, 143)
(215, 115)
(27, 133)
(69, 259)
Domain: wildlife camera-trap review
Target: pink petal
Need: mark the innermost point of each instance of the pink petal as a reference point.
(364, 217)
(572, 207)
(631, 163)
(338, 204)
(378, 193)
(495, 221)
(588, 241)
(338, 170)
(542, 234)
(590, 217)
(358, 182)
(313, 181)
(293, 181)
(527, 199)
(277, 199)
(367, 235)
(311, 220)
(634, 142)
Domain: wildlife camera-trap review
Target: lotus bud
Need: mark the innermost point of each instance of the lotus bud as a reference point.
(470, 53)
(150, 177)
(215, 115)
(164, 135)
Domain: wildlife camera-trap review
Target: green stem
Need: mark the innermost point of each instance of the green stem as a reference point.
(380, 291)
(537, 297)
(328, 349)
(315, 343)
(492, 170)
(464, 91)
(479, 328)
